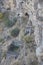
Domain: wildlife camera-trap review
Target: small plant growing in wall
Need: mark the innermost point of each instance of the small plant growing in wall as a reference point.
(15, 20)
(1, 40)
(15, 32)
(12, 47)
(1, 15)
(28, 39)
(8, 23)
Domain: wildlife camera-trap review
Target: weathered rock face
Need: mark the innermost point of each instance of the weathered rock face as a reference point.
(39, 18)
(39, 8)
(27, 16)
(41, 3)
(25, 54)
(10, 5)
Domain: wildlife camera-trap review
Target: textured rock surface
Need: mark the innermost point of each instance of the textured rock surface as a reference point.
(27, 16)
